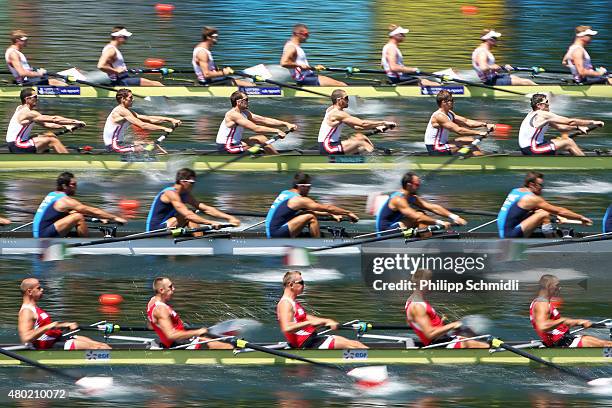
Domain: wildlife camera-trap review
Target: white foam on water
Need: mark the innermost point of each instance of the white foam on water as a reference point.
(589, 186)
(533, 275)
(309, 275)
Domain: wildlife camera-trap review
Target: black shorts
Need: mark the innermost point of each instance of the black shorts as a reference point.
(13, 148)
(315, 341)
(334, 148)
(43, 80)
(566, 341)
(433, 152)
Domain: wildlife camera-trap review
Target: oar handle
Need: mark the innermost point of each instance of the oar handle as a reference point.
(66, 130)
(578, 132)
(379, 129)
(363, 327)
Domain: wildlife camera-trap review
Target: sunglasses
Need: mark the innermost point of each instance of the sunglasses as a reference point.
(32, 97)
(299, 282)
(304, 185)
(190, 181)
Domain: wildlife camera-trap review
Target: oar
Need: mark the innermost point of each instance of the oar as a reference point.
(446, 78)
(69, 78)
(473, 212)
(281, 84)
(231, 327)
(575, 133)
(591, 238)
(461, 154)
(539, 70)
(594, 381)
(90, 383)
(366, 376)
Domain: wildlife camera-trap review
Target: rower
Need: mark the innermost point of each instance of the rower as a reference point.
(294, 59)
(445, 120)
(204, 65)
(112, 63)
(169, 326)
(335, 119)
(122, 116)
(168, 209)
(229, 136)
(36, 328)
(25, 116)
(404, 209)
(578, 60)
(300, 327)
(484, 64)
(19, 67)
(553, 329)
(536, 123)
(426, 323)
(60, 212)
(392, 60)
(293, 210)
(524, 210)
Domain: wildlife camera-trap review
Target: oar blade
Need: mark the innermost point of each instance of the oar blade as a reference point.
(476, 323)
(601, 382)
(93, 384)
(298, 257)
(53, 251)
(369, 376)
(233, 327)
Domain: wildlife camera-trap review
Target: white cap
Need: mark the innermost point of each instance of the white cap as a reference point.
(399, 30)
(490, 34)
(121, 33)
(586, 32)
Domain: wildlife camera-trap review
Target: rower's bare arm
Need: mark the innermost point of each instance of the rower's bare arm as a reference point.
(41, 119)
(25, 326)
(163, 321)
(158, 120)
(134, 119)
(67, 204)
(418, 216)
(306, 203)
(578, 59)
(16, 63)
(483, 64)
(202, 60)
(106, 60)
(541, 312)
(285, 318)
(471, 123)
(439, 210)
(394, 66)
(566, 124)
(266, 121)
(289, 57)
(215, 213)
(418, 315)
(443, 121)
(252, 126)
(359, 124)
(561, 211)
(180, 207)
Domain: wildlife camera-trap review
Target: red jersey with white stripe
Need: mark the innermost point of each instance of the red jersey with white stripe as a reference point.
(50, 337)
(177, 322)
(438, 137)
(297, 339)
(435, 319)
(114, 134)
(550, 337)
(18, 133)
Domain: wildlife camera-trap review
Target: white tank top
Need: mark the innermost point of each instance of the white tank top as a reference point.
(399, 58)
(16, 130)
(328, 133)
(490, 61)
(530, 135)
(114, 131)
(22, 59)
(298, 73)
(570, 62)
(118, 63)
(437, 136)
(230, 135)
(196, 66)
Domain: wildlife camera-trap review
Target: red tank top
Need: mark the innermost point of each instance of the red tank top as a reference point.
(297, 338)
(549, 338)
(50, 337)
(177, 323)
(433, 316)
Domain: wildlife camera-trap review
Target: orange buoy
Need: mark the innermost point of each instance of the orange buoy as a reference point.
(140, 131)
(154, 63)
(502, 131)
(129, 205)
(110, 299)
(469, 9)
(164, 8)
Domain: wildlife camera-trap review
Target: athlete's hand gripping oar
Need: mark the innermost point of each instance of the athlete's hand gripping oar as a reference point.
(583, 130)
(366, 376)
(593, 381)
(92, 384)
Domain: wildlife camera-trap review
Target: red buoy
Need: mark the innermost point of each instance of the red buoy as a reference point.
(129, 205)
(164, 8)
(154, 63)
(110, 299)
